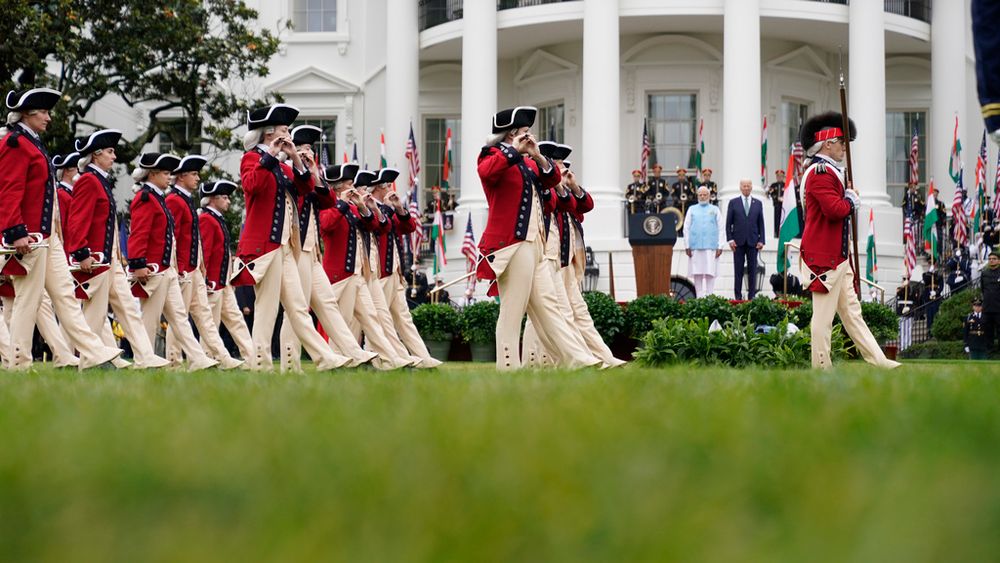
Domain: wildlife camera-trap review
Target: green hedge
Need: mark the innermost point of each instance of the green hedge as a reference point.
(642, 311)
(609, 319)
(936, 350)
(435, 321)
(479, 321)
(950, 317)
(881, 319)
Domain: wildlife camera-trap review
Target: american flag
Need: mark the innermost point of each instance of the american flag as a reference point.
(910, 244)
(471, 253)
(799, 154)
(644, 161)
(417, 236)
(974, 205)
(413, 158)
(914, 153)
(958, 218)
(996, 191)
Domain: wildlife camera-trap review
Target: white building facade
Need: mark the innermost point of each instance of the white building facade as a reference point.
(599, 69)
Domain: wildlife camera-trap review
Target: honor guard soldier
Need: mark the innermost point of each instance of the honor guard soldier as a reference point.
(658, 197)
(913, 203)
(190, 269)
(92, 240)
(29, 221)
(986, 42)
(315, 286)
(66, 171)
(713, 188)
(683, 194)
(829, 204)
(216, 251)
(977, 344)
(515, 176)
(390, 262)
(269, 245)
(635, 193)
(776, 192)
(152, 257)
(343, 256)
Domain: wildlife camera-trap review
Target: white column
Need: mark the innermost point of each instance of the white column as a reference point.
(866, 99)
(402, 79)
(948, 93)
(741, 110)
(479, 96)
(599, 169)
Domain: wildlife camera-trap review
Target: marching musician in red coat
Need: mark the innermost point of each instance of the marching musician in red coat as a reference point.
(829, 205)
(152, 257)
(66, 171)
(190, 269)
(30, 225)
(269, 245)
(342, 228)
(217, 260)
(315, 286)
(517, 180)
(390, 277)
(92, 240)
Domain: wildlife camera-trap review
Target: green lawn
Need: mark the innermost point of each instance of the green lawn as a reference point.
(467, 465)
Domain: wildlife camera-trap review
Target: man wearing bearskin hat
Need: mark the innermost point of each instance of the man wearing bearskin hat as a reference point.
(830, 205)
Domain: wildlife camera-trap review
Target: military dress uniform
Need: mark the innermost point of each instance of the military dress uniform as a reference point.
(713, 190)
(776, 192)
(190, 274)
(514, 246)
(29, 204)
(315, 286)
(269, 245)
(217, 258)
(92, 232)
(151, 245)
(635, 195)
(974, 333)
(825, 250)
(659, 196)
(341, 229)
(390, 276)
(986, 43)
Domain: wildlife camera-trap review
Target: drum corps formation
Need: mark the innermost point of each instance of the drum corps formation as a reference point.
(325, 240)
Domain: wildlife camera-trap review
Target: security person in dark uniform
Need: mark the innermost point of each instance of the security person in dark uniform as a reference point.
(713, 188)
(658, 197)
(977, 343)
(776, 192)
(989, 282)
(986, 42)
(913, 203)
(635, 193)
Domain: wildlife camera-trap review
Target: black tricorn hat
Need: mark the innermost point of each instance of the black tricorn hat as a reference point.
(514, 118)
(158, 161)
(385, 176)
(219, 187)
(340, 172)
(34, 98)
(823, 127)
(69, 161)
(364, 178)
(555, 151)
(103, 139)
(306, 135)
(275, 114)
(191, 163)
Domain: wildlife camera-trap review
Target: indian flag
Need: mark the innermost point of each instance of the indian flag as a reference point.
(382, 160)
(437, 235)
(930, 222)
(446, 169)
(871, 264)
(790, 220)
(699, 156)
(763, 154)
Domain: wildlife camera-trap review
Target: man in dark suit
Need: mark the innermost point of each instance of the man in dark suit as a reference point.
(745, 233)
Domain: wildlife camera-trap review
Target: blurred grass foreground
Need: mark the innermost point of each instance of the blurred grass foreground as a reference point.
(464, 464)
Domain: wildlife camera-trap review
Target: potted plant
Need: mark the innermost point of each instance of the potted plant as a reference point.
(479, 329)
(436, 323)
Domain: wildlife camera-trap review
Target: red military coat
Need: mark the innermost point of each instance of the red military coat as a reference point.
(91, 217)
(27, 189)
(390, 238)
(266, 184)
(512, 185)
(151, 237)
(65, 195)
(340, 227)
(825, 237)
(186, 230)
(215, 248)
(569, 215)
(310, 205)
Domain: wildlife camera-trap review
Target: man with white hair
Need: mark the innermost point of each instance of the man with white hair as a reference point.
(190, 268)
(830, 203)
(269, 245)
(705, 240)
(29, 221)
(745, 235)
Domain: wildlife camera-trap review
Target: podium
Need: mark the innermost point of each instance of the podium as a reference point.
(652, 237)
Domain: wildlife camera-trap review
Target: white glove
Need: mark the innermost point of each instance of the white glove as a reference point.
(995, 135)
(854, 197)
(966, 349)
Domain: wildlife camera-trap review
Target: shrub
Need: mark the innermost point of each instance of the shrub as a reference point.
(881, 319)
(737, 345)
(609, 320)
(711, 307)
(479, 322)
(762, 311)
(435, 321)
(802, 314)
(641, 312)
(950, 317)
(936, 350)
